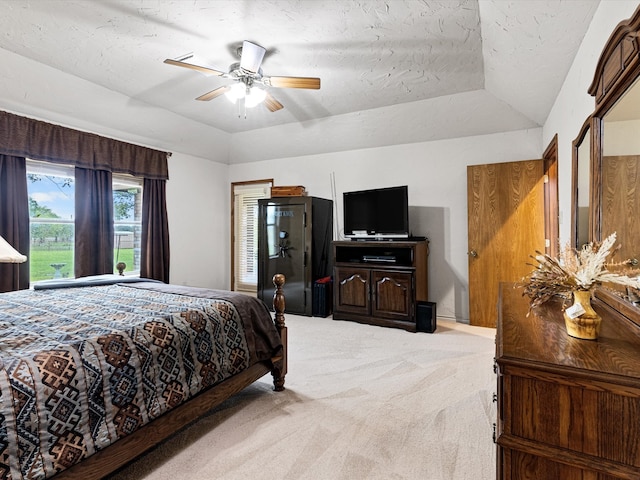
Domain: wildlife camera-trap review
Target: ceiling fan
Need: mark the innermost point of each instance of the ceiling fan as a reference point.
(249, 78)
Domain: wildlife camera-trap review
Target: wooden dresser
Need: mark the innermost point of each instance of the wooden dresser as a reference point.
(568, 409)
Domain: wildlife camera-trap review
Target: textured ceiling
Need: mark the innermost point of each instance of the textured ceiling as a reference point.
(377, 60)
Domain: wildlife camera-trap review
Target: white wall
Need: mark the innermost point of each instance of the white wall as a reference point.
(574, 104)
(436, 175)
(198, 209)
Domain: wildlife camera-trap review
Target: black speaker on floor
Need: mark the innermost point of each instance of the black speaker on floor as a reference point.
(322, 297)
(426, 317)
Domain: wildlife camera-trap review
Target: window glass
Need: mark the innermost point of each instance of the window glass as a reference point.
(127, 215)
(51, 191)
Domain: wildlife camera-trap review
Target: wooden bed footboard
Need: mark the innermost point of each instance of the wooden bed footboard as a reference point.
(128, 448)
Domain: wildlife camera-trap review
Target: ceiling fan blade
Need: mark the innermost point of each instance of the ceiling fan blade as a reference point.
(205, 70)
(251, 57)
(292, 82)
(272, 104)
(214, 93)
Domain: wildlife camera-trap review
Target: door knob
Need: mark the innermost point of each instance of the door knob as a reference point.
(473, 253)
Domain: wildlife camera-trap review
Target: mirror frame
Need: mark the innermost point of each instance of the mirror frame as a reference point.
(586, 128)
(617, 69)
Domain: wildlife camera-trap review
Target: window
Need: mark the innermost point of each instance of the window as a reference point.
(127, 219)
(245, 200)
(51, 190)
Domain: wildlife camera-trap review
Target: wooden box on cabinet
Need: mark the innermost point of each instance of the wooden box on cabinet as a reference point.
(379, 282)
(567, 408)
(290, 191)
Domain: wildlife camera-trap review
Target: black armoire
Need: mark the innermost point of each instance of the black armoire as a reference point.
(295, 235)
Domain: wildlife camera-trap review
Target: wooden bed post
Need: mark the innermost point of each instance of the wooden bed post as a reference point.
(280, 364)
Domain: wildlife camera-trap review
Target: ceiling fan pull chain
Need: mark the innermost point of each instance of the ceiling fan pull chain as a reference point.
(247, 90)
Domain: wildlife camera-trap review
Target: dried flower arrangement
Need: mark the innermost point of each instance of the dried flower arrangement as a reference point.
(582, 269)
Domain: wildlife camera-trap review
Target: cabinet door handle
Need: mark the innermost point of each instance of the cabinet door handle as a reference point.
(473, 253)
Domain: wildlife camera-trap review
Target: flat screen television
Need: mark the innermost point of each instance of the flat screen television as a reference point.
(381, 213)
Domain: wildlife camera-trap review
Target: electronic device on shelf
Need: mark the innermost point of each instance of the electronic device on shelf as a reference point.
(379, 258)
(376, 214)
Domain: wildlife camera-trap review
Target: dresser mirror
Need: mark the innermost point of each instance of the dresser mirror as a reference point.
(620, 174)
(614, 149)
(581, 186)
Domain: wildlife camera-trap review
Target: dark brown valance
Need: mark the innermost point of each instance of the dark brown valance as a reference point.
(26, 137)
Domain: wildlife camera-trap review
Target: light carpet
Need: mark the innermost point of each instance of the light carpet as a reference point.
(361, 402)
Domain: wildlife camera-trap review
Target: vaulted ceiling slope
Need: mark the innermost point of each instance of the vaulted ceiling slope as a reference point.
(394, 71)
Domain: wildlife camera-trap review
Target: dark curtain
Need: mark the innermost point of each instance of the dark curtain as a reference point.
(39, 140)
(93, 223)
(154, 261)
(14, 220)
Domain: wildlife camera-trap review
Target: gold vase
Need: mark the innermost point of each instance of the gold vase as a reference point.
(586, 325)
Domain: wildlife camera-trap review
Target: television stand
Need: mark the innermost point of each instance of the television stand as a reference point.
(380, 282)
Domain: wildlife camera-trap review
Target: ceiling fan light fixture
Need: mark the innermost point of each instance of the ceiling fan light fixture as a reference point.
(254, 97)
(236, 92)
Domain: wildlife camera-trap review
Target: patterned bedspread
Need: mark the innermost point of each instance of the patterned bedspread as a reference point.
(83, 367)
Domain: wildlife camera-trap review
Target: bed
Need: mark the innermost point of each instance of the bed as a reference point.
(94, 374)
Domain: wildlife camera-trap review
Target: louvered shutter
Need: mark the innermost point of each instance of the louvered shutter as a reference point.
(246, 234)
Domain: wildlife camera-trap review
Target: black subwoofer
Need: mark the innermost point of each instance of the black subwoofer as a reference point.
(426, 317)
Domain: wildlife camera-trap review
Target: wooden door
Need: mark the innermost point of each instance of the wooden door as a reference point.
(506, 221)
(393, 294)
(352, 290)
